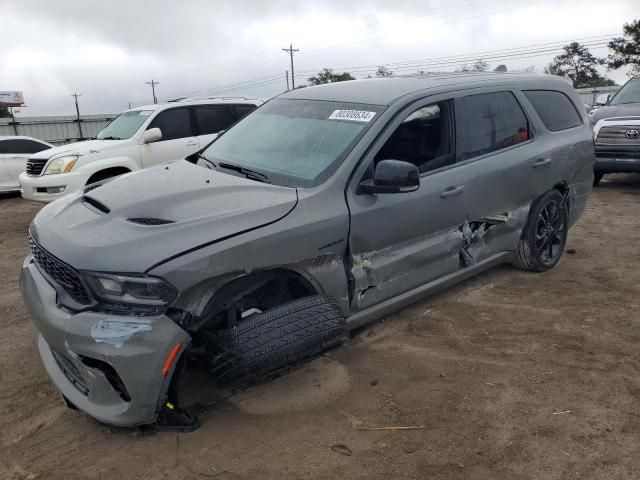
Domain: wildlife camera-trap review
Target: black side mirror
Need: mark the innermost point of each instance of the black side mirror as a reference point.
(392, 176)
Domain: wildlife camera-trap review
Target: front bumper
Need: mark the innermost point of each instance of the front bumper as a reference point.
(44, 188)
(81, 352)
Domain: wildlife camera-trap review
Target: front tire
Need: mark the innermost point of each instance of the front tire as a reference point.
(278, 337)
(545, 234)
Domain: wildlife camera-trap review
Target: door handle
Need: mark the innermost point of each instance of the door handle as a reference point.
(191, 144)
(543, 162)
(452, 191)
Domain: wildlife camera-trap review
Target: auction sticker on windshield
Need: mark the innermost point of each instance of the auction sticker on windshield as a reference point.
(354, 115)
(145, 113)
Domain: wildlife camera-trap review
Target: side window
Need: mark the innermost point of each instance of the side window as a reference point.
(23, 146)
(488, 122)
(423, 138)
(213, 118)
(174, 123)
(3, 147)
(243, 109)
(554, 108)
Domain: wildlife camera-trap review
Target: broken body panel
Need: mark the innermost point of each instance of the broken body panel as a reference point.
(369, 253)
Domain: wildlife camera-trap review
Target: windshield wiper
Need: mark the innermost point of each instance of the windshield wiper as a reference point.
(210, 164)
(111, 138)
(247, 172)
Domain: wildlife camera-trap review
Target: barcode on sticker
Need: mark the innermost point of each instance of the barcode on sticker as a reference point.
(353, 115)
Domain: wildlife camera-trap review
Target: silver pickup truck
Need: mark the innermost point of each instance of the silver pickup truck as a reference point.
(616, 131)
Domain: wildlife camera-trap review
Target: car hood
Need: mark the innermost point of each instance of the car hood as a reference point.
(80, 148)
(612, 111)
(93, 230)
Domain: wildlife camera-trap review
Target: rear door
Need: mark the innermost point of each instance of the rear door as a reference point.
(503, 166)
(178, 137)
(15, 155)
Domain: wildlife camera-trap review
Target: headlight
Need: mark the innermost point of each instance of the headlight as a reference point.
(61, 164)
(128, 294)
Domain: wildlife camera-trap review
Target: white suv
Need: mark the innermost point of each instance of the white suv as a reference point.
(138, 138)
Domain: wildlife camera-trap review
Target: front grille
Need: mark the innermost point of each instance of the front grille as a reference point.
(150, 221)
(71, 372)
(617, 135)
(35, 166)
(59, 272)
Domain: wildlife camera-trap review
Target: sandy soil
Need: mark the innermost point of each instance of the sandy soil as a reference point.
(511, 375)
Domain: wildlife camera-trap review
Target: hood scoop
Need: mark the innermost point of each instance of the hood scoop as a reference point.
(150, 221)
(95, 205)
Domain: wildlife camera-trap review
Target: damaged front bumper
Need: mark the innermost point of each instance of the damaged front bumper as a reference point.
(111, 367)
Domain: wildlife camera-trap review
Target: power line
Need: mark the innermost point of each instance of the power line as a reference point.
(525, 51)
(153, 84)
(291, 51)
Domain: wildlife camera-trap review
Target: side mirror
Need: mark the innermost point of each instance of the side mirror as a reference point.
(152, 135)
(603, 99)
(392, 176)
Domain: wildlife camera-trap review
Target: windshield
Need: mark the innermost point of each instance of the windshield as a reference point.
(294, 142)
(629, 93)
(124, 125)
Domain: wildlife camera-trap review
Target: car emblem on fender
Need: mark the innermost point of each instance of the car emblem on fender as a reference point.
(632, 134)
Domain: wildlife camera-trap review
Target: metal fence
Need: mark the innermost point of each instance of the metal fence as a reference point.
(56, 129)
(588, 95)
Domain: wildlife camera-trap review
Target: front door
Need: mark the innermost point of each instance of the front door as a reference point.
(402, 240)
(178, 137)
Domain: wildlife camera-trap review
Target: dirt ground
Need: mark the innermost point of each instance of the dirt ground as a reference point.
(510, 375)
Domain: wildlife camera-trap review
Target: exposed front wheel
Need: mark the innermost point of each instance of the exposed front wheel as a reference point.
(545, 234)
(265, 342)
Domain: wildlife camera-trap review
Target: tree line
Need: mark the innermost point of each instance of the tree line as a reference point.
(575, 62)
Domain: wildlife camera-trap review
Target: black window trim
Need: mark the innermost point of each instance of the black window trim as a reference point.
(524, 94)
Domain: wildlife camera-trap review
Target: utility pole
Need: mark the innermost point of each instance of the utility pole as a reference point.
(291, 51)
(153, 84)
(75, 96)
(286, 76)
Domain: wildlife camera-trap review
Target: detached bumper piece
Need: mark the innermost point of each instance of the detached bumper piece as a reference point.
(172, 418)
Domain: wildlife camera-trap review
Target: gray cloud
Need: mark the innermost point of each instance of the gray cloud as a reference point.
(107, 50)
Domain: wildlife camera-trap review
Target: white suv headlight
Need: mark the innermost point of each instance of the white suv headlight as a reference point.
(61, 165)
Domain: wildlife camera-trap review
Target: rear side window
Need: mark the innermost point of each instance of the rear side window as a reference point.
(243, 109)
(488, 122)
(213, 118)
(23, 146)
(554, 108)
(174, 123)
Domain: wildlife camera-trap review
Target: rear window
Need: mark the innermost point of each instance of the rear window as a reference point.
(554, 108)
(488, 122)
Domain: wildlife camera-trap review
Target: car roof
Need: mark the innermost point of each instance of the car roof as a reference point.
(21, 137)
(205, 101)
(384, 91)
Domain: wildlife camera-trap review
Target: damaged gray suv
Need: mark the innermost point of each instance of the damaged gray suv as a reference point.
(324, 209)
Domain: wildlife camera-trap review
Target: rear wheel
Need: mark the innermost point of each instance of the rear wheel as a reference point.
(545, 234)
(266, 342)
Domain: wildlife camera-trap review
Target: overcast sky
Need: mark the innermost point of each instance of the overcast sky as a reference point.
(106, 51)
